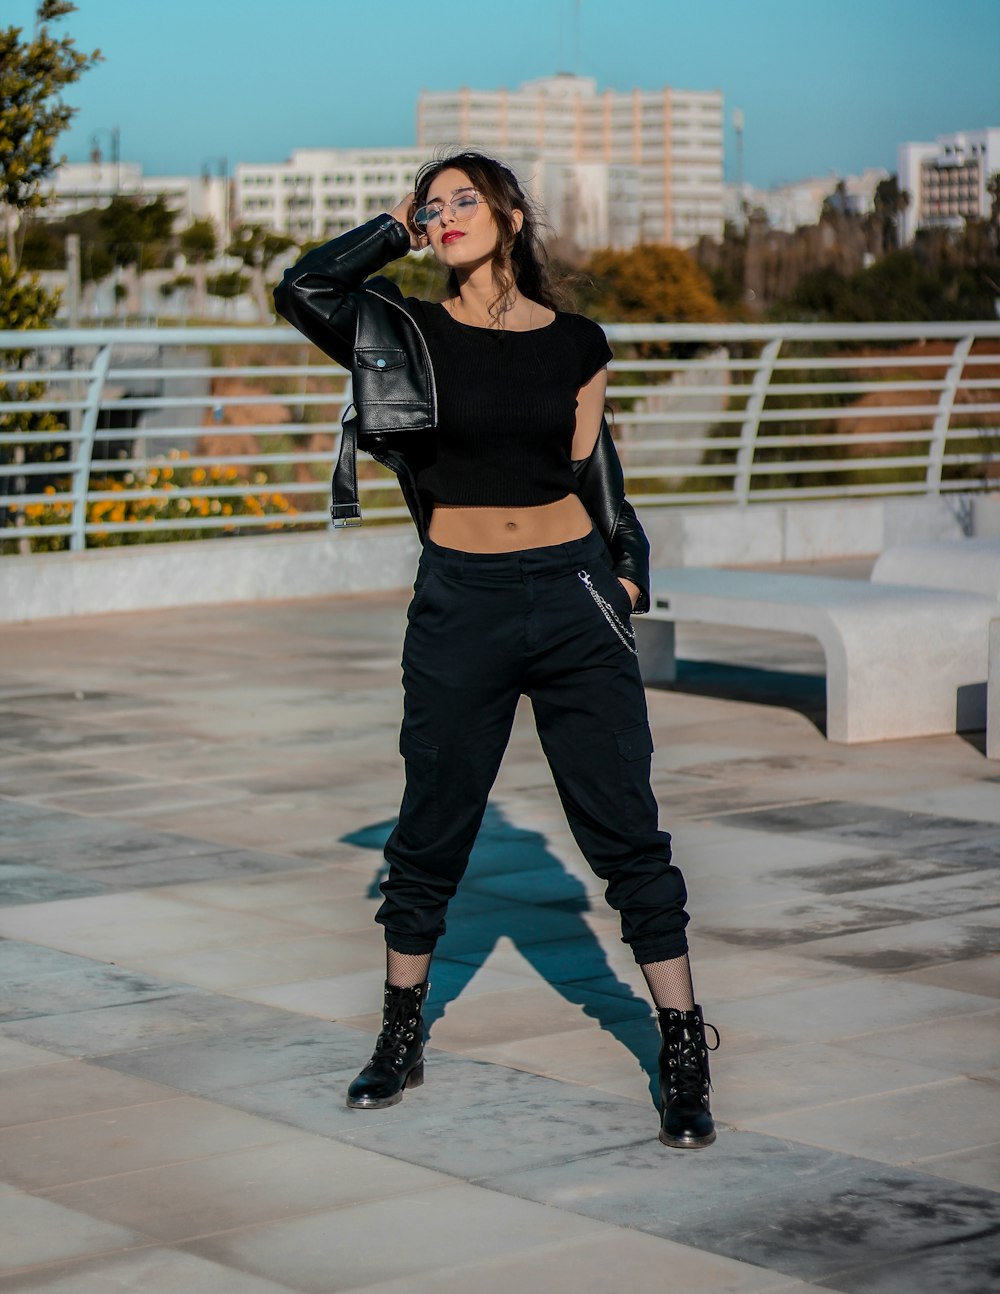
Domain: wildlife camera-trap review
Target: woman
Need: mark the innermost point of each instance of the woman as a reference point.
(489, 407)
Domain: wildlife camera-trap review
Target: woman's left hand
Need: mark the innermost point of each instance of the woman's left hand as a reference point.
(631, 589)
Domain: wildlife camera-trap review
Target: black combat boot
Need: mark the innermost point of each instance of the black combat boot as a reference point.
(684, 1079)
(398, 1059)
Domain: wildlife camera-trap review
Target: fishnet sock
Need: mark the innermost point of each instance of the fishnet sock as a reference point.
(670, 983)
(406, 970)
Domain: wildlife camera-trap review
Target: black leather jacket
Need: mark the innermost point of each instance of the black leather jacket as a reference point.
(363, 323)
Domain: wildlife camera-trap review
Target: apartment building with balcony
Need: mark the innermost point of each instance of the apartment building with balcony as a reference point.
(666, 143)
(947, 180)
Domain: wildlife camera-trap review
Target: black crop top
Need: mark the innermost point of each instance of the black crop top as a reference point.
(506, 408)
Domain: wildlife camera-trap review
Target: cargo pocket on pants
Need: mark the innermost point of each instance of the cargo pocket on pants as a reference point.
(418, 813)
(635, 751)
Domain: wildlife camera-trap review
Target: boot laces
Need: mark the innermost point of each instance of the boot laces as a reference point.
(400, 1017)
(688, 1058)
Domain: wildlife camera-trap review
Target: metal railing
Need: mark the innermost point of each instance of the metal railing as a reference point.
(117, 435)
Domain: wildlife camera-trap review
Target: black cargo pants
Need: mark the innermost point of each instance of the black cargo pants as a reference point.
(484, 629)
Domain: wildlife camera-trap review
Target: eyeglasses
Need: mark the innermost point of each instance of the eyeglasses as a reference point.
(463, 209)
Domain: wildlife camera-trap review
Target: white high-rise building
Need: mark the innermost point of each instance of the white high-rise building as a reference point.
(670, 140)
(947, 180)
(321, 192)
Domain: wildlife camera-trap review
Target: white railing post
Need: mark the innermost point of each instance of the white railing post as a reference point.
(942, 419)
(751, 424)
(83, 449)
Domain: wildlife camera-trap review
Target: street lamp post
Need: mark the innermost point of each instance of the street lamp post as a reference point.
(115, 135)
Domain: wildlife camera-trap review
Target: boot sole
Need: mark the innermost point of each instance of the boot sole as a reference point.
(414, 1078)
(692, 1143)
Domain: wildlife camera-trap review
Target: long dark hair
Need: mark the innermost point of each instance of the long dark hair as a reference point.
(520, 259)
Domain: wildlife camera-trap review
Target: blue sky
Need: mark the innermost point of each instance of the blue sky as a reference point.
(825, 85)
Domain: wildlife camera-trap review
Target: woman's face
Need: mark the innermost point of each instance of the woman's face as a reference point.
(459, 243)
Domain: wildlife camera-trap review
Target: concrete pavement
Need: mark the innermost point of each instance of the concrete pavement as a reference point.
(192, 807)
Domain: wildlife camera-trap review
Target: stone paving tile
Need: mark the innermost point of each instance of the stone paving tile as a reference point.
(829, 1012)
(467, 1118)
(980, 802)
(975, 975)
(116, 925)
(955, 1043)
(876, 871)
(898, 1127)
(978, 1167)
(234, 969)
(178, 1013)
(946, 895)
(910, 945)
(539, 1121)
(289, 882)
(429, 1230)
(57, 1152)
(69, 842)
(25, 883)
(41, 1231)
(799, 1077)
(34, 777)
(66, 1087)
(773, 925)
(83, 985)
(287, 1047)
(150, 1270)
(836, 1220)
(596, 1264)
(21, 1055)
(244, 1188)
(871, 825)
(224, 865)
(151, 796)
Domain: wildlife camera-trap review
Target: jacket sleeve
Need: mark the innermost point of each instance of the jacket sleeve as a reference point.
(602, 493)
(317, 294)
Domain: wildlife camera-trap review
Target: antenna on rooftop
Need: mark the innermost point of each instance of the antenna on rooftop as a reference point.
(576, 37)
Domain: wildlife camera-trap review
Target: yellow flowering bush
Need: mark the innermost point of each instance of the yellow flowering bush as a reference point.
(162, 492)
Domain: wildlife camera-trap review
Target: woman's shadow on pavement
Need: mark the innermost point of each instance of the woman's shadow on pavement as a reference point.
(515, 886)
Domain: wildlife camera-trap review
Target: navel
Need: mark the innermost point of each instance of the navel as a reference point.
(511, 525)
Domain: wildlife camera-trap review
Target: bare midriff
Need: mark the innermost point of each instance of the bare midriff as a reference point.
(506, 530)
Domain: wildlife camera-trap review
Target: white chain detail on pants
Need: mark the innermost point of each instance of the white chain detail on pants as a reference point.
(623, 630)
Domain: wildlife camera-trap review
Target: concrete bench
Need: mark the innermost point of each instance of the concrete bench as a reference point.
(968, 565)
(901, 661)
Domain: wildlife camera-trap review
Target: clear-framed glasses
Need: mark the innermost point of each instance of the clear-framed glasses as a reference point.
(463, 209)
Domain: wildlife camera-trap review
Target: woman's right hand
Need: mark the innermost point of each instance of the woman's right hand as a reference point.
(403, 212)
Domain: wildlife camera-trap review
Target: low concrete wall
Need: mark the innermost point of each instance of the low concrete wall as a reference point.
(149, 576)
(384, 557)
(817, 530)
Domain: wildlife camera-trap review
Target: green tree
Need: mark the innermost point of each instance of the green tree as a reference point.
(199, 244)
(256, 246)
(33, 74)
(890, 201)
(228, 285)
(650, 284)
(993, 189)
(137, 230)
